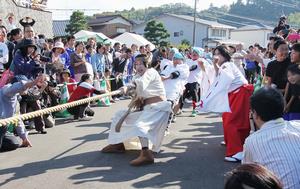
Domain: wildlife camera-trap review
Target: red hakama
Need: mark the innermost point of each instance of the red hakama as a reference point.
(237, 124)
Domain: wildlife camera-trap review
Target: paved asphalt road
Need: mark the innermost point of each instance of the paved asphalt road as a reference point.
(69, 157)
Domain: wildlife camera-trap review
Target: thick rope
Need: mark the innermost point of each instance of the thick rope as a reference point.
(15, 119)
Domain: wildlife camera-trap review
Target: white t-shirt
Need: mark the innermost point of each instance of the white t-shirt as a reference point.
(3, 54)
(266, 61)
(195, 75)
(89, 69)
(174, 87)
(165, 63)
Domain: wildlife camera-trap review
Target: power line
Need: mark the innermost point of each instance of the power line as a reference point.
(216, 18)
(284, 4)
(242, 17)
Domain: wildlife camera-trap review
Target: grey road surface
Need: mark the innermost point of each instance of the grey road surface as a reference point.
(69, 157)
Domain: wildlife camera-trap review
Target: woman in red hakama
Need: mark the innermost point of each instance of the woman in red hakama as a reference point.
(230, 95)
(237, 124)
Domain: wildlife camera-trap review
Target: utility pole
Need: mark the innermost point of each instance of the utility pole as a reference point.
(194, 29)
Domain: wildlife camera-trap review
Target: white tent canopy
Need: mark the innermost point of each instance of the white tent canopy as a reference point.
(131, 38)
(83, 35)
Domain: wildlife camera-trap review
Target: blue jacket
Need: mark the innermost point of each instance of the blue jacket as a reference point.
(68, 53)
(24, 65)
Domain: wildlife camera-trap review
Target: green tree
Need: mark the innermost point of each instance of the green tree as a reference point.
(294, 19)
(156, 33)
(186, 42)
(77, 22)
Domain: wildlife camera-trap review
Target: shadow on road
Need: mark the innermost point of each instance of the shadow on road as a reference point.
(194, 162)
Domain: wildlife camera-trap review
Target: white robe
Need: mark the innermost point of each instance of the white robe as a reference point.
(216, 99)
(149, 123)
(207, 78)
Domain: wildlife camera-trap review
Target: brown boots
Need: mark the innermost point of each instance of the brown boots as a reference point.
(146, 157)
(114, 148)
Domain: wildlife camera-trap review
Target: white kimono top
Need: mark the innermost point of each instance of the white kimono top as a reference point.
(149, 85)
(216, 99)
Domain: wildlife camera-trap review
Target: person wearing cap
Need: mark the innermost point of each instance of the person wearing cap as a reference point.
(56, 64)
(193, 84)
(172, 52)
(8, 103)
(65, 77)
(25, 60)
(174, 78)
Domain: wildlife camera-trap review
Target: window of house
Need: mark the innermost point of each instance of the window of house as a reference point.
(223, 33)
(121, 30)
(181, 33)
(176, 34)
(218, 33)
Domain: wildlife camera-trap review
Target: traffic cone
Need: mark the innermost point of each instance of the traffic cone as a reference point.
(63, 99)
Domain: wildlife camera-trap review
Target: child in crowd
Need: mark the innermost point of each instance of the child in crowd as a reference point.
(65, 77)
(292, 108)
(84, 90)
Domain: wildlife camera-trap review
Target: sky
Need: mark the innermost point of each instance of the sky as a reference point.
(112, 5)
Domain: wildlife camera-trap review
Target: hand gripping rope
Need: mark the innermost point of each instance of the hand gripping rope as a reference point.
(57, 108)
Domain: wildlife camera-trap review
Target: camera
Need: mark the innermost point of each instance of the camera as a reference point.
(45, 59)
(52, 83)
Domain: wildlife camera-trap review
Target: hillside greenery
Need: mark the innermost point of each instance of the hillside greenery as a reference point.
(240, 13)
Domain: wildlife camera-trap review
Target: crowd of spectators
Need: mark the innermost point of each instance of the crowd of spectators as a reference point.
(34, 70)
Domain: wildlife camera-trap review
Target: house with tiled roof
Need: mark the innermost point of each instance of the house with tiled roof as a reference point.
(180, 27)
(110, 25)
(59, 27)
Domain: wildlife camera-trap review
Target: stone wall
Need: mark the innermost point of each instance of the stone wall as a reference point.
(43, 19)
